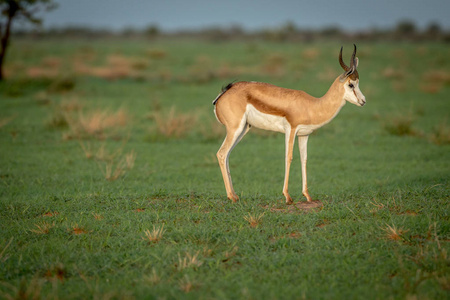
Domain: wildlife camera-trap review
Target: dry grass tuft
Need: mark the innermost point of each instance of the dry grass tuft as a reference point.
(431, 260)
(96, 124)
(71, 104)
(438, 76)
(129, 159)
(50, 214)
(153, 278)
(231, 254)
(174, 124)
(51, 62)
(254, 220)
(212, 130)
(274, 64)
(204, 74)
(393, 233)
(187, 285)
(391, 73)
(97, 216)
(441, 134)
(114, 164)
(114, 170)
(328, 74)
(61, 112)
(155, 235)
(377, 206)
(42, 72)
(202, 70)
(292, 235)
(311, 54)
(156, 53)
(433, 81)
(116, 67)
(49, 67)
(43, 227)
(189, 261)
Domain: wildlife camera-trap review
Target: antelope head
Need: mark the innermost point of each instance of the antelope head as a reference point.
(350, 79)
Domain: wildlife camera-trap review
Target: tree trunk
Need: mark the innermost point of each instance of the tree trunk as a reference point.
(13, 7)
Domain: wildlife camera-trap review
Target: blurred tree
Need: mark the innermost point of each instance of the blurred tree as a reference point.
(20, 9)
(406, 27)
(152, 30)
(433, 31)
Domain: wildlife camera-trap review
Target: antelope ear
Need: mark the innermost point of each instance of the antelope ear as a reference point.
(356, 62)
(343, 77)
(349, 72)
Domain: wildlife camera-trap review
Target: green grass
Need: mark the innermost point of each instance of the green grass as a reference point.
(381, 171)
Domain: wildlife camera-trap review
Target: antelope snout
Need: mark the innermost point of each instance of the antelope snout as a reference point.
(362, 101)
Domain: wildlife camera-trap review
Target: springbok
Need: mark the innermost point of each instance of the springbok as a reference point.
(242, 105)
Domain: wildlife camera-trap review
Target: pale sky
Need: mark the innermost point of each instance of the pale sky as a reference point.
(170, 15)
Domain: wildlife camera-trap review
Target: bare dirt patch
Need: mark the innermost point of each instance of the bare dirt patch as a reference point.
(299, 207)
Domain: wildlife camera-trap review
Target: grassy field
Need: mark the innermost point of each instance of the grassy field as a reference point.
(109, 185)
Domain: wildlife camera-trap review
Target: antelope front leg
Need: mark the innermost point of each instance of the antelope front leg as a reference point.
(290, 139)
(302, 144)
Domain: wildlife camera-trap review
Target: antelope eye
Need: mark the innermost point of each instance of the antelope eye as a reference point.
(351, 85)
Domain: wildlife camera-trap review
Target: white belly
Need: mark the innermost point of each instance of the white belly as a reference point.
(266, 121)
(276, 123)
(307, 129)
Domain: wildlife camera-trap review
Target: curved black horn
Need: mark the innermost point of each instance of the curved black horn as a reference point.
(353, 60)
(341, 62)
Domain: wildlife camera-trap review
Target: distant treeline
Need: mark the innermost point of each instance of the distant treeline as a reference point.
(403, 31)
